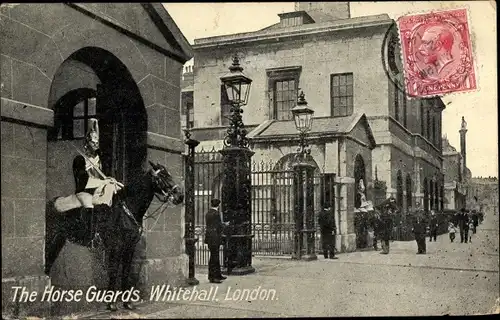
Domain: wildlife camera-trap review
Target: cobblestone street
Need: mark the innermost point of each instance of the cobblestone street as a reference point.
(452, 278)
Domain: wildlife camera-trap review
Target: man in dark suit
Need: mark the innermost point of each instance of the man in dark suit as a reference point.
(419, 229)
(328, 230)
(213, 238)
(463, 225)
(386, 223)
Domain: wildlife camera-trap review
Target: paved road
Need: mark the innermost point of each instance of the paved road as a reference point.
(452, 278)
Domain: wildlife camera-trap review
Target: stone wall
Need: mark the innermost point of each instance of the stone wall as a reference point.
(36, 39)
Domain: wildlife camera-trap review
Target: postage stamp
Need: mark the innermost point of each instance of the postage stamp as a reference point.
(437, 53)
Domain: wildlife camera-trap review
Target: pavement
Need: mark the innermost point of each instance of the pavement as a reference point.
(451, 279)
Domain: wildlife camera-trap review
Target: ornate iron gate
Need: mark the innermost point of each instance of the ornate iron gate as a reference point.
(272, 203)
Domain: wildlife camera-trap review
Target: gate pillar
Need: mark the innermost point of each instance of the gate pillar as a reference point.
(304, 236)
(236, 208)
(189, 236)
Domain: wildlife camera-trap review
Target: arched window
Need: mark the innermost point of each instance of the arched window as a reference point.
(359, 173)
(409, 203)
(442, 197)
(436, 195)
(428, 126)
(434, 132)
(399, 189)
(431, 195)
(426, 195)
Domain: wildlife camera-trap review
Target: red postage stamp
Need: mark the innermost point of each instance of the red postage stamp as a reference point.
(437, 53)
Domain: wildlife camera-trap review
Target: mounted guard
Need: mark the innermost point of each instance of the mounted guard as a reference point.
(92, 187)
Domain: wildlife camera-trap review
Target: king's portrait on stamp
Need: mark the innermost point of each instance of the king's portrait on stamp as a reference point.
(249, 160)
(437, 53)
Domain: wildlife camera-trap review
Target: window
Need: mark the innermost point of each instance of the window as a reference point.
(422, 124)
(403, 102)
(72, 113)
(426, 195)
(189, 115)
(396, 102)
(285, 98)
(399, 189)
(434, 131)
(342, 94)
(225, 107)
(408, 192)
(283, 85)
(428, 126)
(431, 195)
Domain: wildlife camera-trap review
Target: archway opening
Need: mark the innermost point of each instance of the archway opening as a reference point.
(399, 189)
(359, 174)
(93, 83)
(426, 195)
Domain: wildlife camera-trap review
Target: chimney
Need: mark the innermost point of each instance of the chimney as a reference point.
(463, 146)
(325, 11)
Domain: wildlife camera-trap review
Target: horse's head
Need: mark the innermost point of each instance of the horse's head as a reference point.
(164, 185)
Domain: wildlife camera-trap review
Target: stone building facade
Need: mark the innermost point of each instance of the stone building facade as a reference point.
(336, 61)
(63, 63)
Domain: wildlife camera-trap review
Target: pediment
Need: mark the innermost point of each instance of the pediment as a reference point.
(150, 21)
(361, 131)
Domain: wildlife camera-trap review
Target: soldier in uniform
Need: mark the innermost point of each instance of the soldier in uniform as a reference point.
(328, 231)
(92, 187)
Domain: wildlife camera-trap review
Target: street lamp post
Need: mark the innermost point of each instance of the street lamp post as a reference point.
(237, 183)
(189, 236)
(303, 186)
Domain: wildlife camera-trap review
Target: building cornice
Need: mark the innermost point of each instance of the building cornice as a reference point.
(285, 33)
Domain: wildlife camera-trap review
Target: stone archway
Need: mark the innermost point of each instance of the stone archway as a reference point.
(92, 83)
(359, 173)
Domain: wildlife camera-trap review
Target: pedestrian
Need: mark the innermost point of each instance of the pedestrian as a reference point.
(386, 222)
(433, 226)
(475, 220)
(471, 226)
(463, 225)
(213, 238)
(452, 230)
(328, 230)
(419, 229)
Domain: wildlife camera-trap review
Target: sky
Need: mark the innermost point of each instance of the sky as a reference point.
(201, 20)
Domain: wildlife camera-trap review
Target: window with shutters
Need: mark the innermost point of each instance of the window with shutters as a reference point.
(341, 90)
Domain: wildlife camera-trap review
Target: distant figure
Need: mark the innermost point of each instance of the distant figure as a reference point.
(475, 221)
(451, 231)
(213, 238)
(328, 230)
(471, 226)
(433, 226)
(419, 228)
(463, 225)
(386, 228)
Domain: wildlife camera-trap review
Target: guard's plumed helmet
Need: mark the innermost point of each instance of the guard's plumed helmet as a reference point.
(92, 137)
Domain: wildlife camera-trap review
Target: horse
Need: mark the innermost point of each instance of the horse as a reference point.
(119, 227)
